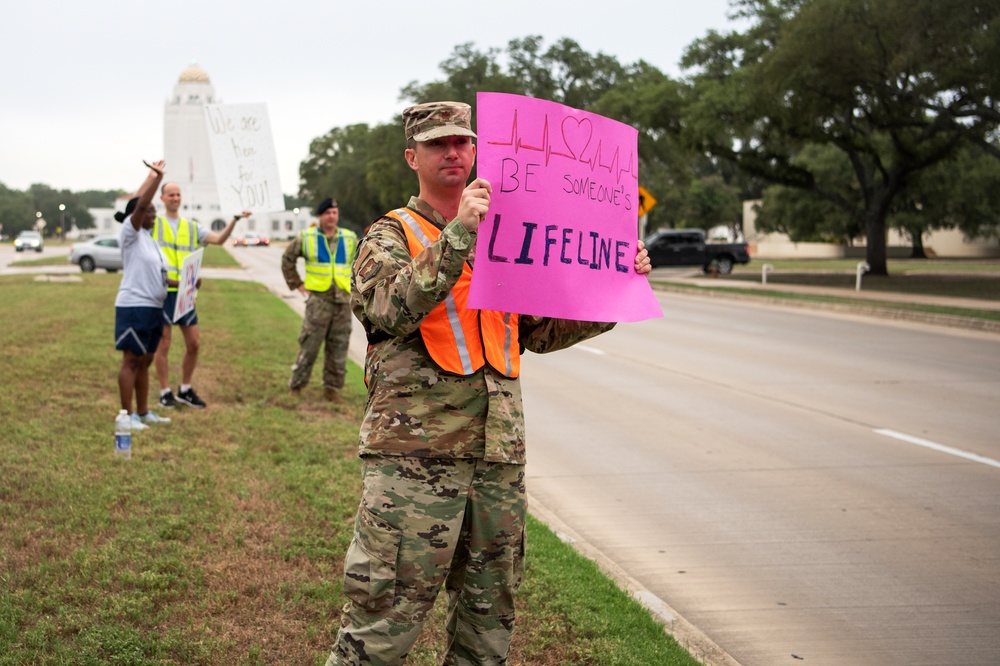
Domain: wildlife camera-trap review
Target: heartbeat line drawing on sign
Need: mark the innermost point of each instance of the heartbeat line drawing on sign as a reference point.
(577, 136)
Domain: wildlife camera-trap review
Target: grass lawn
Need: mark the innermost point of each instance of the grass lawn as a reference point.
(41, 260)
(221, 541)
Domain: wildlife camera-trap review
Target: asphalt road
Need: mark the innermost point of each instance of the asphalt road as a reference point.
(800, 487)
(766, 473)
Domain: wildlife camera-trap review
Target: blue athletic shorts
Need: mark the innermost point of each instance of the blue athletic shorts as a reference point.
(190, 319)
(138, 329)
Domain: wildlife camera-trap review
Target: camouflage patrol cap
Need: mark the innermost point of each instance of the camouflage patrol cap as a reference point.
(433, 120)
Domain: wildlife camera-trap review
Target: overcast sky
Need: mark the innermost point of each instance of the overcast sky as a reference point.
(85, 84)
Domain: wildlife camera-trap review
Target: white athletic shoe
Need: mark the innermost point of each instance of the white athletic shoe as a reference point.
(137, 423)
(151, 417)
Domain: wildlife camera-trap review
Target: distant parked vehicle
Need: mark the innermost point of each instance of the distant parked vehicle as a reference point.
(252, 240)
(687, 247)
(99, 252)
(29, 240)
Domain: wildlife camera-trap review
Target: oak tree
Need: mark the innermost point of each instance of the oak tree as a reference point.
(897, 86)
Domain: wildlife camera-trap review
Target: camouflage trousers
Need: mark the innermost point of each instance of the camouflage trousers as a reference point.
(329, 323)
(424, 523)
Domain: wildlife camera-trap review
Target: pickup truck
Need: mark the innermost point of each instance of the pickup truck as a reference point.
(687, 247)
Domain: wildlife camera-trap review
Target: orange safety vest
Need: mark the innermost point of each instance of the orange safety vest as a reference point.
(459, 339)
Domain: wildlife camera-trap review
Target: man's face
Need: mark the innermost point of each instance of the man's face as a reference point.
(445, 162)
(171, 198)
(328, 221)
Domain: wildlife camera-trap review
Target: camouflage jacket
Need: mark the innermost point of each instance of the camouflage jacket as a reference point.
(413, 407)
(290, 271)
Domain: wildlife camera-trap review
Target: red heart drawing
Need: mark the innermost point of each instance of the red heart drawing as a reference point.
(576, 135)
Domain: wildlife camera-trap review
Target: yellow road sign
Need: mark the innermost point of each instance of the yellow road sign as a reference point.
(646, 201)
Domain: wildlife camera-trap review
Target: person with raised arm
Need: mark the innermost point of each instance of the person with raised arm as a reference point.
(139, 304)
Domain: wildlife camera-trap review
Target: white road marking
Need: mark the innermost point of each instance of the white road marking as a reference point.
(592, 350)
(939, 447)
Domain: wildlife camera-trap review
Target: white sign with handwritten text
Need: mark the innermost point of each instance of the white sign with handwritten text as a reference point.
(246, 168)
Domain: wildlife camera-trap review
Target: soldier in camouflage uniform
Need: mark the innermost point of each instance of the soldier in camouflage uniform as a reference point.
(328, 252)
(443, 498)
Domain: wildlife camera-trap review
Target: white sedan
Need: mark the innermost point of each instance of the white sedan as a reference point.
(98, 252)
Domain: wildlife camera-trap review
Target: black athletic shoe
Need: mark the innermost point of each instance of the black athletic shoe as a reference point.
(190, 398)
(168, 400)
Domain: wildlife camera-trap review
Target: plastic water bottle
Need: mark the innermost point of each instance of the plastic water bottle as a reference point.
(123, 435)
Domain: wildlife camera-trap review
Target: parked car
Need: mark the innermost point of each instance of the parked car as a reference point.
(687, 247)
(29, 240)
(252, 240)
(99, 252)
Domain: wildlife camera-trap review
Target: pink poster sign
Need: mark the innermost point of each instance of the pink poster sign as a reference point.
(560, 236)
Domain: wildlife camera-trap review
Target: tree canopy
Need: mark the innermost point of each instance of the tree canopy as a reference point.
(19, 210)
(895, 86)
(958, 193)
(364, 166)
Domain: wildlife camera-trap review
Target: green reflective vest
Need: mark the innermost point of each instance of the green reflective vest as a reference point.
(175, 248)
(324, 268)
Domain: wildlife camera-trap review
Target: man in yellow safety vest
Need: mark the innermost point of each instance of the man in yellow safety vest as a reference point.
(328, 251)
(178, 237)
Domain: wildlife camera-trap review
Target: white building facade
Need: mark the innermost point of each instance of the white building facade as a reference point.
(189, 162)
(950, 243)
(186, 149)
(188, 156)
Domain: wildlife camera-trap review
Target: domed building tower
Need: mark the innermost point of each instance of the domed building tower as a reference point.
(186, 150)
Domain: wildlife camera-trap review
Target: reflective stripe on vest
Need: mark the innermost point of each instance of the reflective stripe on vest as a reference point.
(459, 339)
(321, 269)
(175, 248)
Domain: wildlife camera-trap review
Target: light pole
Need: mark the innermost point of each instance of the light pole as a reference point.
(62, 220)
